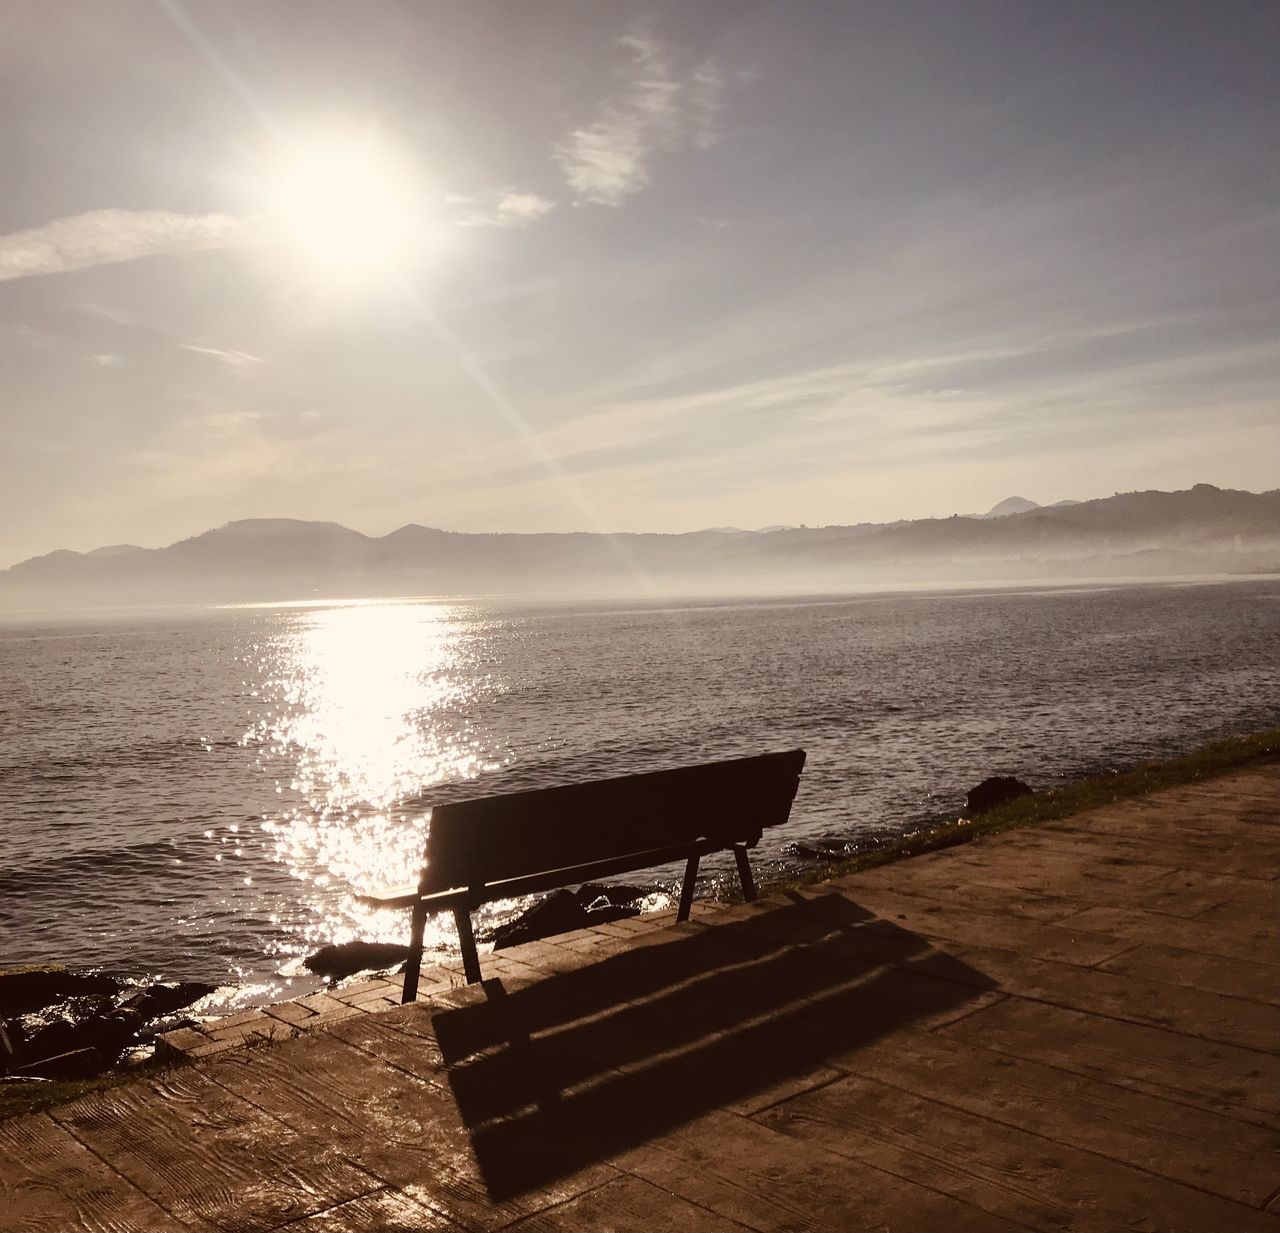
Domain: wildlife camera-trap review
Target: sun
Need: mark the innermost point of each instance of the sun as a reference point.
(348, 203)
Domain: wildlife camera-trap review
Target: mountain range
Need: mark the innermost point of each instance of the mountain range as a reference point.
(1199, 530)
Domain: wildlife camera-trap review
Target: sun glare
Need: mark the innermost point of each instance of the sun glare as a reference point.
(349, 204)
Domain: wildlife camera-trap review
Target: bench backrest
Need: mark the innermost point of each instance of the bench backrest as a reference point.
(496, 838)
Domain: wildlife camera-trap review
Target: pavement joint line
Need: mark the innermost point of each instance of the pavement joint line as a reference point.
(1096, 966)
(1078, 1147)
(1146, 1023)
(294, 1220)
(1173, 1095)
(969, 1012)
(937, 1155)
(550, 1207)
(839, 1077)
(1213, 907)
(97, 1155)
(436, 1076)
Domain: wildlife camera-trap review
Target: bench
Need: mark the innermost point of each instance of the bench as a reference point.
(501, 847)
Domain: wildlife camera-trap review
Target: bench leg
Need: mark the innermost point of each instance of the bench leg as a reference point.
(413, 965)
(686, 891)
(744, 873)
(467, 942)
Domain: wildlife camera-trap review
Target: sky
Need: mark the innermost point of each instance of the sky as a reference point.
(572, 266)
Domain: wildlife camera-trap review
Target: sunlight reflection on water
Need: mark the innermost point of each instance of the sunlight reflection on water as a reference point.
(369, 702)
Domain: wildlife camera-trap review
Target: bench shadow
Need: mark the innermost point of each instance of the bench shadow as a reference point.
(581, 1066)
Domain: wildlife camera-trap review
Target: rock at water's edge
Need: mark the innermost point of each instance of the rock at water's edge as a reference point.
(73, 1027)
(562, 912)
(614, 894)
(348, 958)
(995, 791)
(156, 1001)
(559, 912)
(33, 988)
(819, 849)
(104, 1034)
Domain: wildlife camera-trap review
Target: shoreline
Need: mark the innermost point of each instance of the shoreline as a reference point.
(1207, 762)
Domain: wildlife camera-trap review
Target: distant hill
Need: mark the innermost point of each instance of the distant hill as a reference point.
(1137, 534)
(1010, 505)
(1020, 505)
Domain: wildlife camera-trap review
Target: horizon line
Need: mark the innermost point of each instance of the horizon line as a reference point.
(770, 528)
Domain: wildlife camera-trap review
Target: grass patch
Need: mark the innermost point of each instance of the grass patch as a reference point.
(17, 1098)
(1206, 762)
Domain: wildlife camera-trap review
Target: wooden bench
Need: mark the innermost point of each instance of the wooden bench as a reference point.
(501, 847)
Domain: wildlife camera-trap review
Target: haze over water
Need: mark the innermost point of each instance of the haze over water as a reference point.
(195, 793)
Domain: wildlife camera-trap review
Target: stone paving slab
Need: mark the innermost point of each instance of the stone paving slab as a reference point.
(1075, 1027)
(285, 1019)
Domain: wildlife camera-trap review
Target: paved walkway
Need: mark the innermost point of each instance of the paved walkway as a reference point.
(1070, 1027)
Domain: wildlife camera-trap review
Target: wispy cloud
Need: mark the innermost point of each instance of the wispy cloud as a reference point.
(232, 359)
(102, 237)
(656, 109)
(229, 423)
(706, 101)
(105, 312)
(505, 208)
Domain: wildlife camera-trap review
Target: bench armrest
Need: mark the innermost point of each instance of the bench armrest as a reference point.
(392, 897)
(407, 896)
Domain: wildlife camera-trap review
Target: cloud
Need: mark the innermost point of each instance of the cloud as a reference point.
(706, 101)
(102, 237)
(232, 359)
(104, 312)
(656, 110)
(230, 423)
(505, 208)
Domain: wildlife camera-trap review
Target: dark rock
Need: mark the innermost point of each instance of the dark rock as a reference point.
(72, 1010)
(602, 915)
(85, 1031)
(995, 791)
(106, 1034)
(348, 958)
(613, 894)
(53, 1038)
(559, 912)
(33, 988)
(158, 1000)
(58, 1028)
(819, 849)
(562, 912)
(76, 1064)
